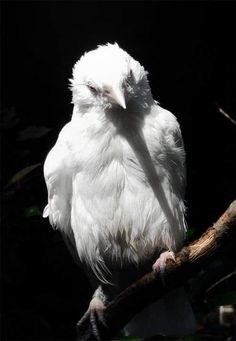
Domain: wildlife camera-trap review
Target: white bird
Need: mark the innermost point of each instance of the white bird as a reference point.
(116, 179)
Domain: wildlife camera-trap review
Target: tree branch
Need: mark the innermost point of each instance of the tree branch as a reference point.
(188, 262)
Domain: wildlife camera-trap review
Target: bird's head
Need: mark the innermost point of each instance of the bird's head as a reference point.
(106, 77)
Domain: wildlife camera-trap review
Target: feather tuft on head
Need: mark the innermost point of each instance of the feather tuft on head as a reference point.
(107, 76)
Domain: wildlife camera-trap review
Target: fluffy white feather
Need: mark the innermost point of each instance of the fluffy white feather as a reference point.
(116, 179)
(116, 176)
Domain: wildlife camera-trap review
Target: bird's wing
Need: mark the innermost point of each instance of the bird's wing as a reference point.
(169, 160)
(58, 176)
(174, 152)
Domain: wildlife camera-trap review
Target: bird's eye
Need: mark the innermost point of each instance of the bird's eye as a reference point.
(92, 88)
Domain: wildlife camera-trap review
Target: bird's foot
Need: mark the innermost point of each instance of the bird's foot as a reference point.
(159, 265)
(95, 316)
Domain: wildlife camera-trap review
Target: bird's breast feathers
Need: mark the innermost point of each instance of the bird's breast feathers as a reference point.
(113, 209)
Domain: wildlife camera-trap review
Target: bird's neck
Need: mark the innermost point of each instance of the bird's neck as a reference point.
(131, 117)
(116, 118)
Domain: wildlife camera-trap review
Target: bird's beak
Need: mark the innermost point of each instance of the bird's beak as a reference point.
(117, 94)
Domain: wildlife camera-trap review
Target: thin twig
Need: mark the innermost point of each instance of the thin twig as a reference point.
(226, 115)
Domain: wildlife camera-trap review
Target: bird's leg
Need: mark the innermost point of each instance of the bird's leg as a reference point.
(160, 263)
(94, 314)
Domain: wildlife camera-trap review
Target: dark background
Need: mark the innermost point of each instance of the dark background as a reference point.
(188, 49)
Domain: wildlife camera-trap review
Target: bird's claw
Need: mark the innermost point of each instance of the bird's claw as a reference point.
(159, 265)
(95, 316)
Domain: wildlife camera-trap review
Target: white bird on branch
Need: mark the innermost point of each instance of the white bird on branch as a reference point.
(116, 180)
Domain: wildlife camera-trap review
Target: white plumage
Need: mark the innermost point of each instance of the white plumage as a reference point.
(116, 174)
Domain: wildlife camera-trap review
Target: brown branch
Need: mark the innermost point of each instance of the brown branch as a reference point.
(150, 287)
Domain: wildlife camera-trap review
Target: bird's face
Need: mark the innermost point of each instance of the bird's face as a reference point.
(108, 77)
